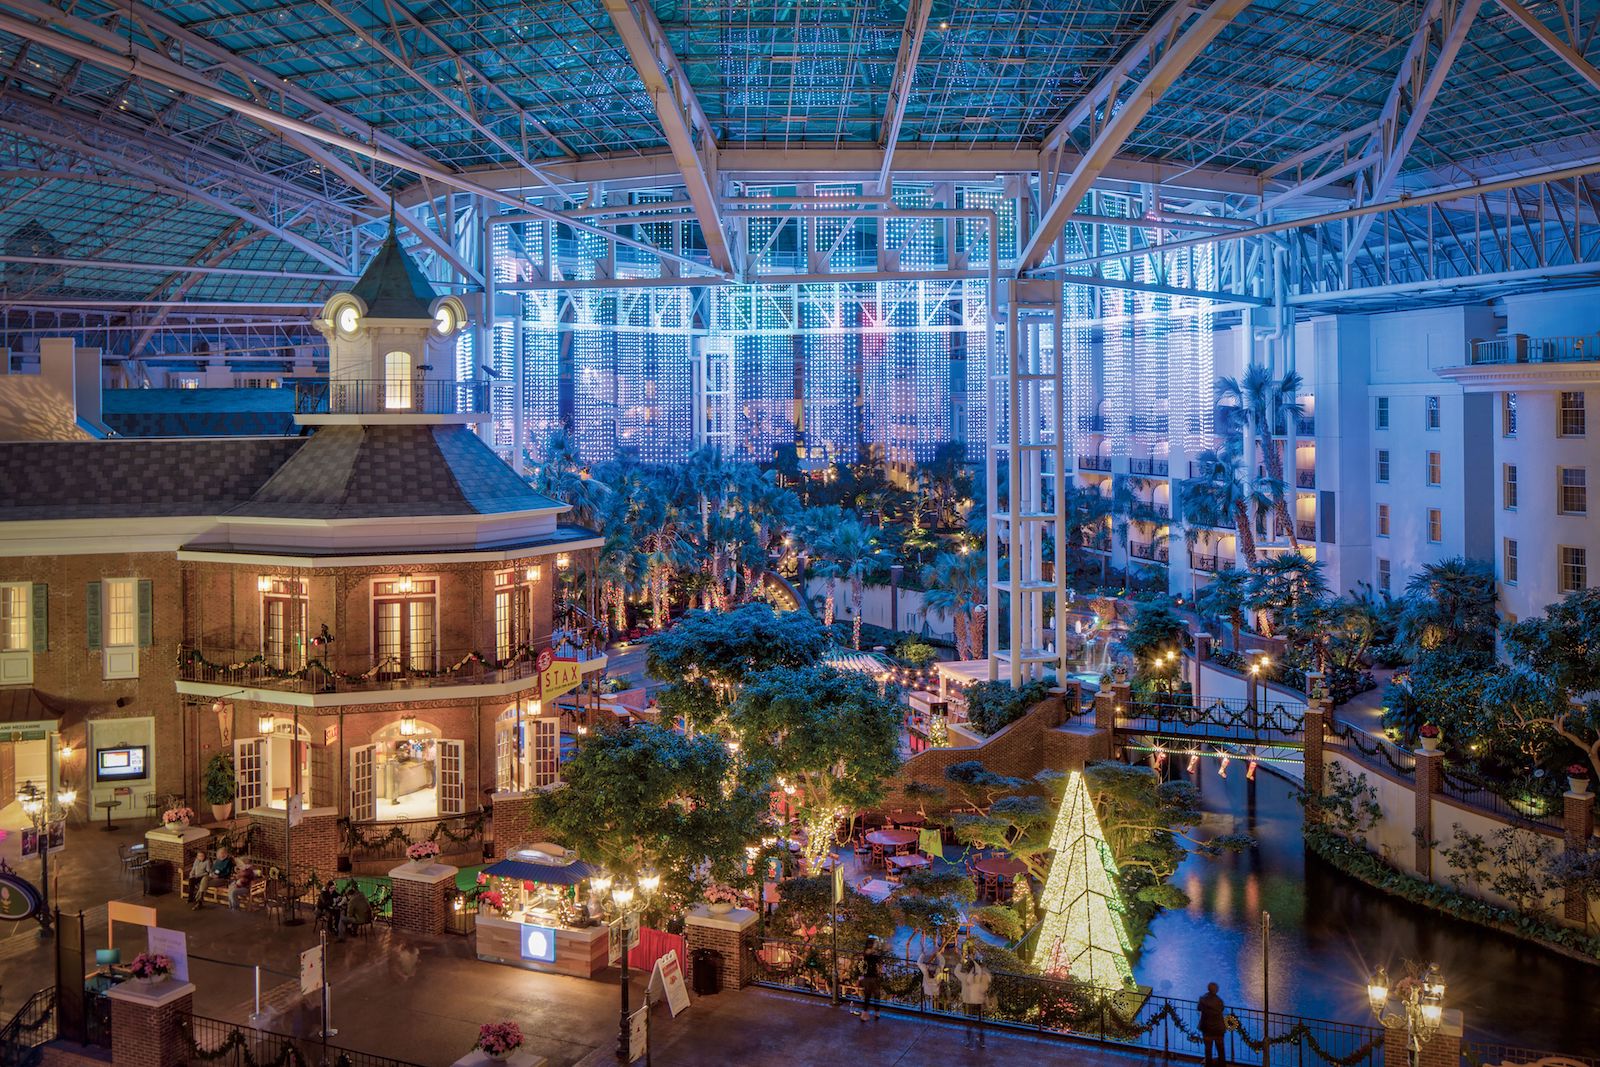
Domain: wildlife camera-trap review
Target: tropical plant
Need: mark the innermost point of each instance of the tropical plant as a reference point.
(562, 475)
(1157, 629)
(1223, 599)
(1451, 602)
(956, 586)
(1561, 648)
(992, 706)
(1224, 494)
(1281, 588)
(220, 784)
(852, 547)
(1263, 402)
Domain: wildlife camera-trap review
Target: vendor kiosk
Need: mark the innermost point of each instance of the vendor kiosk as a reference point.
(533, 913)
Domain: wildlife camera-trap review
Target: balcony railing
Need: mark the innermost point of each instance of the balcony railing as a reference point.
(1520, 348)
(1143, 511)
(1146, 550)
(249, 669)
(1094, 463)
(1157, 467)
(417, 397)
(1199, 561)
(1305, 477)
(1304, 529)
(1304, 426)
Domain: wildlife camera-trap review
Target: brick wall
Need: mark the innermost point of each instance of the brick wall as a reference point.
(1429, 783)
(146, 1028)
(736, 968)
(512, 824)
(1033, 743)
(1578, 830)
(1317, 718)
(1443, 1051)
(421, 903)
(314, 848)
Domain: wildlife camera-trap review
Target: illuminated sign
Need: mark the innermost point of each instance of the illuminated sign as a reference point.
(539, 943)
(562, 676)
(18, 898)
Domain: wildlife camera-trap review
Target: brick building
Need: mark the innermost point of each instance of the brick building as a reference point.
(355, 614)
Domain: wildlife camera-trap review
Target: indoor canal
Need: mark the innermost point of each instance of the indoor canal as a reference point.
(1329, 931)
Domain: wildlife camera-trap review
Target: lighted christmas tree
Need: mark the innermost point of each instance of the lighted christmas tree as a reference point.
(1082, 933)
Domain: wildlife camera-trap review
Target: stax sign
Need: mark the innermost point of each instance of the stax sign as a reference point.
(557, 676)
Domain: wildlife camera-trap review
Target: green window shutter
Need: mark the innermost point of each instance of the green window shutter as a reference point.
(147, 601)
(91, 607)
(41, 617)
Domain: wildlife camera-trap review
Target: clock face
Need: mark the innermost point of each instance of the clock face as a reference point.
(444, 320)
(347, 319)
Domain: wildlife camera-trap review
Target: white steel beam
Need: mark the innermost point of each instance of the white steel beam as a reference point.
(683, 123)
(1133, 108)
(1417, 86)
(173, 268)
(900, 85)
(54, 38)
(1563, 51)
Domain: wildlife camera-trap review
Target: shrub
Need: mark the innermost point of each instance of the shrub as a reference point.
(992, 706)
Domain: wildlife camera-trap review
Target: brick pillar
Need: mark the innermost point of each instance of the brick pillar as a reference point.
(511, 822)
(1429, 783)
(1317, 717)
(146, 1023)
(1578, 822)
(421, 896)
(174, 850)
(733, 934)
(1202, 646)
(1443, 1051)
(313, 846)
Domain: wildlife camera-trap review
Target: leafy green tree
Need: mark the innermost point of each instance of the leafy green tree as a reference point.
(1444, 687)
(651, 798)
(992, 706)
(805, 904)
(1281, 590)
(1157, 629)
(830, 736)
(1561, 648)
(852, 547)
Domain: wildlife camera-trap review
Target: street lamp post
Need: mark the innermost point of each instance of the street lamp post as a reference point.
(628, 903)
(42, 809)
(1421, 1004)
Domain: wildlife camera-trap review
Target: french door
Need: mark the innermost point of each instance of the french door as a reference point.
(363, 791)
(251, 756)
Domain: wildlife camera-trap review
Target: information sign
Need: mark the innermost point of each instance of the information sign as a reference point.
(311, 970)
(670, 972)
(174, 944)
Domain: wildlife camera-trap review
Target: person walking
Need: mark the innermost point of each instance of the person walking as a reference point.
(974, 978)
(871, 980)
(1213, 1025)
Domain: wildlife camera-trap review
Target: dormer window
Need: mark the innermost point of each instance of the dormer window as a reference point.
(397, 381)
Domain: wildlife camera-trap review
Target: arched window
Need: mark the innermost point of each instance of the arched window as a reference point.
(397, 381)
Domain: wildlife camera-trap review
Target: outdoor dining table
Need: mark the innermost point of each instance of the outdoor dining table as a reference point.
(875, 889)
(892, 838)
(907, 862)
(1004, 869)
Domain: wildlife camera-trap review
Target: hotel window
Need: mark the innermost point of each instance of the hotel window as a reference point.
(1574, 569)
(1508, 414)
(1573, 422)
(1508, 563)
(284, 610)
(397, 380)
(14, 618)
(1508, 486)
(1432, 410)
(1383, 520)
(404, 621)
(1435, 526)
(1574, 491)
(1383, 575)
(1383, 464)
(121, 612)
(513, 599)
(119, 623)
(1435, 469)
(1381, 416)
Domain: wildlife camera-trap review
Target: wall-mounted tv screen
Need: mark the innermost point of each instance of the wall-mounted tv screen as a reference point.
(120, 764)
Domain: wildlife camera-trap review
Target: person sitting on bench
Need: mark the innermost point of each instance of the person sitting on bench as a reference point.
(221, 873)
(242, 883)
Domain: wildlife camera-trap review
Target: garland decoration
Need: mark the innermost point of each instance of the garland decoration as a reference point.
(1301, 1031)
(235, 1049)
(317, 669)
(472, 824)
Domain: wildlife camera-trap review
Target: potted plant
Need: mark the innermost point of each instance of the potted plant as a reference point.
(150, 968)
(1578, 778)
(499, 1040)
(422, 852)
(221, 786)
(720, 899)
(177, 818)
(1430, 737)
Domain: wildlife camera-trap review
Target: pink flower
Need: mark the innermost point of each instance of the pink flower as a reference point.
(497, 1039)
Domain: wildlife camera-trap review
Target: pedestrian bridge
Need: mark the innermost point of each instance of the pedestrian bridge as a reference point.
(1261, 723)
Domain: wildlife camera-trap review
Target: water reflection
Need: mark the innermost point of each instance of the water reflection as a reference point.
(1329, 932)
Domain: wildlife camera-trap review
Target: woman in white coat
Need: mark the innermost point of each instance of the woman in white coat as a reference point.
(975, 979)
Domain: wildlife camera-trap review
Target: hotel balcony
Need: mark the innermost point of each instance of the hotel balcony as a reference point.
(1305, 477)
(331, 681)
(1152, 467)
(1094, 463)
(1304, 529)
(464, 400)
(1520, 348)
(1147, 551)
(1199, 561)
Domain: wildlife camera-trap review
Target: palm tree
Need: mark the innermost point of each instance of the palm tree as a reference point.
(1262, 402)
(1222, 494)
(565, 477)
(816, 526)
(1283, 587)
(852, 547)
(1223, 598)
(956, 587)
(1451, 602)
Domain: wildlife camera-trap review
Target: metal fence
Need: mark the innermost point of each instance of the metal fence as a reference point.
(1038, 1005)
(1220, 719)
(32, 1026)
(454, 834)
(1373, 751)
(1488, 1054)
(329, 673)
(1533, 810)
(404, 395)
(214, 1042)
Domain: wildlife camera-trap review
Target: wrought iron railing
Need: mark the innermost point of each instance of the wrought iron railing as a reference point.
(454, 834)
(1373, 751)
(1531, 810)
(1222, 719)
(329, 673)
(1523, 349)
(212, 1041)
(1156, 467)
(33, 1025)
(1147, 550)
(1305, 477)
(1201, 562)
(417, 396)
(1094, 463)
(1038, 1005)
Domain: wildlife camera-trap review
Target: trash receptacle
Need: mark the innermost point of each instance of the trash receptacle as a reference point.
(707, 966)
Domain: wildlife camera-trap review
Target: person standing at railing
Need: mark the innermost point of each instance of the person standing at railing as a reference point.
(974, 978)
(1213, 1025)
(871, 980)
(932, 969)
